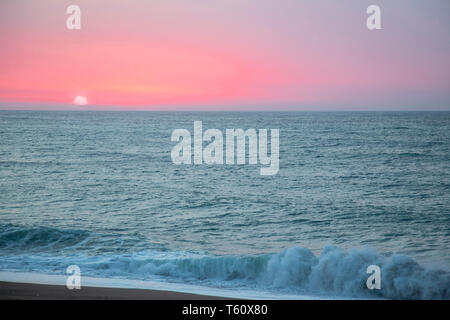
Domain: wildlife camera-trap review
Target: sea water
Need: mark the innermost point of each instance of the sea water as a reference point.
(99, 190)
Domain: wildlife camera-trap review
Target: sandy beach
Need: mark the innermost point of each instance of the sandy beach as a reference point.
(27, 291)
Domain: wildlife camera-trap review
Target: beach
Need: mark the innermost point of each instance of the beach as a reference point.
(32, 291)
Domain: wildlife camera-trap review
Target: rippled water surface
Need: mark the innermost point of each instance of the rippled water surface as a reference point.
(99, 189)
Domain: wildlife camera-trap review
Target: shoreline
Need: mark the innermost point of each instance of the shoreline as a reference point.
(33, 291)
(27, 285)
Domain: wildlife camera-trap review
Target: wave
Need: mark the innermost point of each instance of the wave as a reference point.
(14, 238)
(334, 272)
(24, 240)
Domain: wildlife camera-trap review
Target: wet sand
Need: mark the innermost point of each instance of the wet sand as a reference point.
(15, 290)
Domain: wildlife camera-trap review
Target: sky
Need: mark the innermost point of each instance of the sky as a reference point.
(225, 55)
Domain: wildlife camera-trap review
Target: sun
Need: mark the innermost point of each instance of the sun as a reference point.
(80, 101)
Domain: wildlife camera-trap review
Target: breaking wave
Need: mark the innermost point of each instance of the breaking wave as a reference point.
(335, 272)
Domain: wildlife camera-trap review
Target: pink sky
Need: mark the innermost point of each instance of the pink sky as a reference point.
(225, 54)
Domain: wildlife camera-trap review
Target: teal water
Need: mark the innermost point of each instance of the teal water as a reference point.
(99, 189)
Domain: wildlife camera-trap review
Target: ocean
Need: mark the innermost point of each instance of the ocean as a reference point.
(99, 190)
